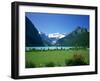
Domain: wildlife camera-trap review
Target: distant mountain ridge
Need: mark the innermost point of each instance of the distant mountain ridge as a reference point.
(79, 30)
(78, 37)
(56, 36)
(46, 40)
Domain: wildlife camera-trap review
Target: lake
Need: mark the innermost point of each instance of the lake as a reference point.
(47, 47)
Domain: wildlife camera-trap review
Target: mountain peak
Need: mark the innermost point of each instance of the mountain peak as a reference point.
(79, 37)
(80, 30)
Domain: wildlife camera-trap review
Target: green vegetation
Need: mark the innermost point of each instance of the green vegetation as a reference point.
(55, 58)
(50, 64)
(81, 39)
(77, 59)
(78, 37)
(30, 64)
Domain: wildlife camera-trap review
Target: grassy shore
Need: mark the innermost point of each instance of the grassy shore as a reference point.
(55, 58)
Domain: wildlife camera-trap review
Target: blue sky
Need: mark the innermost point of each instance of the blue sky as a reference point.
(57, 23)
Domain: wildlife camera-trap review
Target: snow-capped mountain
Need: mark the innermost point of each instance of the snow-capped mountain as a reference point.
(56, 35)
(51, 38)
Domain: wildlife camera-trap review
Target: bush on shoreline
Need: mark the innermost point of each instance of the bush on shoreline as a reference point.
(30, 65)
(77, 59)
(51, 64)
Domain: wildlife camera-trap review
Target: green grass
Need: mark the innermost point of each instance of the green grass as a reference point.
(40, 58)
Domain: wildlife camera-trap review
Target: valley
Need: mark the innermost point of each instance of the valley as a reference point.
(56, 49)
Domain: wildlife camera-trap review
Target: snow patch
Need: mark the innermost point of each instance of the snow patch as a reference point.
(56, 35)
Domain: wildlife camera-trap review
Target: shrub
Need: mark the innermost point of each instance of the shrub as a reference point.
(59, 65)
(77, 59)
(51, 64)
(41, 65)
(30, 65)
